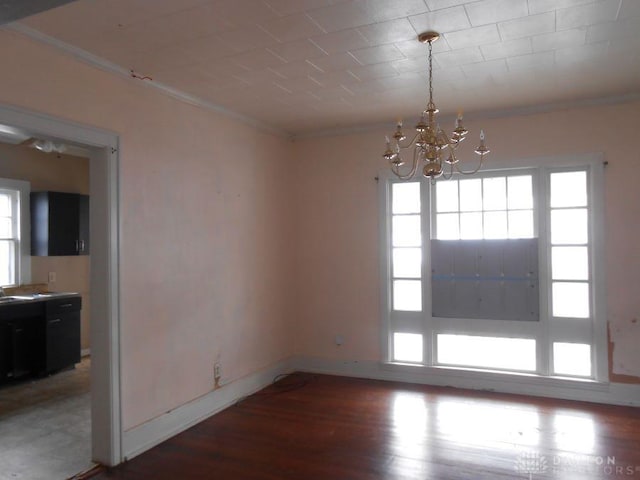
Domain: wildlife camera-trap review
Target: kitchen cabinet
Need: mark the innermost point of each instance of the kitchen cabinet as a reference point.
(59, 224)
(39, 336)
(19, 328)
(62, 345)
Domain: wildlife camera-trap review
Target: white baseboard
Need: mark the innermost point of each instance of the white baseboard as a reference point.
(85, 352)
(143, 437)
(608, 393)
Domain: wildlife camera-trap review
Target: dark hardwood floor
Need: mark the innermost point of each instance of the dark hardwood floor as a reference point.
(309, 427)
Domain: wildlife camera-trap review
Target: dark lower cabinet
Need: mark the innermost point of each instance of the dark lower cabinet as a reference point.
(62, 345)
(39, 338)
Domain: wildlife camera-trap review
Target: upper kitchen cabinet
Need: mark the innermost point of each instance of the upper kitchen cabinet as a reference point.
(59, 224)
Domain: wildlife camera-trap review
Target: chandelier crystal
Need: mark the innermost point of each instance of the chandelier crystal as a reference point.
(433, 148)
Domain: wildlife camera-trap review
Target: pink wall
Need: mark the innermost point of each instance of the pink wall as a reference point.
(205, 227)
(337, 217)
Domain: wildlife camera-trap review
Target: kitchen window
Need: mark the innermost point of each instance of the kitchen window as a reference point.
(499, 271)
(14, 249)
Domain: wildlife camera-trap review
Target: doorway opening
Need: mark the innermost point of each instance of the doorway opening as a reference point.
(102, 148)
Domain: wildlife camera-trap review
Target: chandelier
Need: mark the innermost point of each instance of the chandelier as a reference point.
(433, 149)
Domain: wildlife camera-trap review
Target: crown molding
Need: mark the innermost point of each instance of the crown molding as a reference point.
(110, 67)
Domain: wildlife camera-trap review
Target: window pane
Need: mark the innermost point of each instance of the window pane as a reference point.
(471, 195)
(494, 193)
(5, 205)
(570, 299)
(407, 347)
(406, 231)
(407, 295)
(569, 189)
(6, 229)
(520, 192)
(521, 224)
(487, 352)
(495, 225)
(447, 196)
(448, 226)
(7, 260)
(572, 359)
(406, 197)
(470, 226)
(407, 262)
(569, 263)
(569, 226)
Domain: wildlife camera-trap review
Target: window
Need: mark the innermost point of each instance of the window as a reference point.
(14, 268)
(496, 271)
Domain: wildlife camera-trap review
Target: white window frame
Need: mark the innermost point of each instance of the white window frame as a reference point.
(23, 228)
(544, 331)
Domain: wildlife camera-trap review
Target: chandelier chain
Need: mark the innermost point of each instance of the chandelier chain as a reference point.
(430, 74)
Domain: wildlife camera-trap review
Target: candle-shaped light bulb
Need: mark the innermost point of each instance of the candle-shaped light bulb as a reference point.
(400, 122)
(460, 111)
(386, 139)
(482, 135)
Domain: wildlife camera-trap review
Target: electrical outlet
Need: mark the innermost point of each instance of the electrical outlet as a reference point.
(217, 371)
(52, 277)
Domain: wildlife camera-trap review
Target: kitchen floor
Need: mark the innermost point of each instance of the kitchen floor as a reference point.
(45, 426)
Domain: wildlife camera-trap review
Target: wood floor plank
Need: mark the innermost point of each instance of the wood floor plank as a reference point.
(342, 428)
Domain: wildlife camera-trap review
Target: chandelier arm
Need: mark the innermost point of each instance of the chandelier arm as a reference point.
(412, 172)
(470, 172)
(410, 144)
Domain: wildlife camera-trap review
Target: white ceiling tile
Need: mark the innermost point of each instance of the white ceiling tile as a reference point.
(295, 69)
(528, 26)
(377, 54)
(342, 41)
(541, 6)
(556, 40)
(287, 7)
(590, 14)
(584, 54)
(494, 11)
(371, 72)
(300, 84)
(293, 27)
(532, 61)
(258, 59)
(384, 10)
(332, 93)
(242, 13)
(458, 57)
(511, 48)
(626, 28)
(257, 77)
(473, 37)
(629, 8)
(442, 21)
(334, 79)
(342, 16)
(339, 61)
(496, 67)
(298, 50)
(389, 32)
(411, 65)
(245, 39)
(440, 4)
